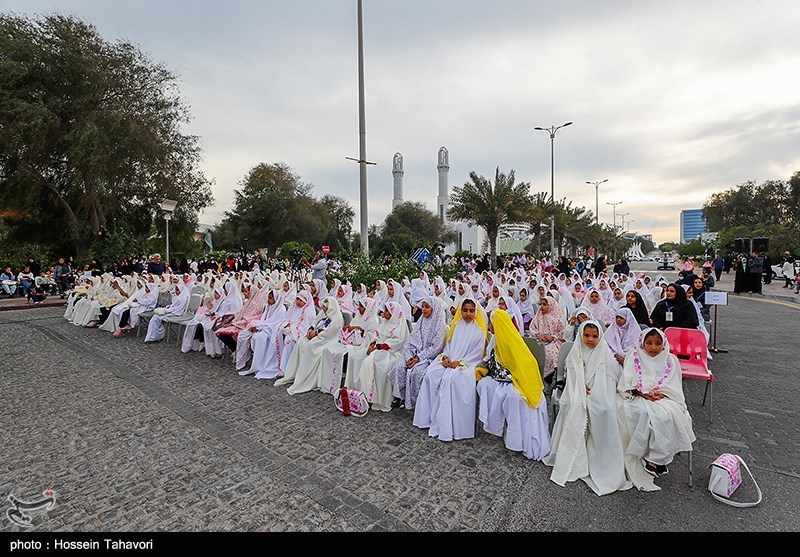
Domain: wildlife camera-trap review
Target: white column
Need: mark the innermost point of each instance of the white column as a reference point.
(397, 174)
(443, 200)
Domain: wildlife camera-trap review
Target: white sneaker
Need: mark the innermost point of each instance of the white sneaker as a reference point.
(246, 372)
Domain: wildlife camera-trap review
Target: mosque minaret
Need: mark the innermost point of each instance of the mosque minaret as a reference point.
(443, 201)
(397, 174)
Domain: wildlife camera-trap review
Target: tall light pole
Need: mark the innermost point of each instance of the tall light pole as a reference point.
(597, 199)
(552, 131)
(614, 205)
(362, 138)
(168, 206)
(623, 215)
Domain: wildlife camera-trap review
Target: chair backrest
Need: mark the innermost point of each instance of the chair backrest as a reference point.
(563, 351)
(195, 300)
(347, 316)
(164, 299)
(687, 344)
(642, 326)
(538, 352)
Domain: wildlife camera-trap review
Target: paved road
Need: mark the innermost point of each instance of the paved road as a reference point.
(141, 437)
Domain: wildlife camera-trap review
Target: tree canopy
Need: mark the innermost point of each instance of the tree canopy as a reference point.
(274, 206)
(491, 205)
(91, 138)
(409, 226)
(750, 210)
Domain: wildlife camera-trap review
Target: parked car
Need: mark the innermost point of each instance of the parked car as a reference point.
(777, 270)
(666, 264)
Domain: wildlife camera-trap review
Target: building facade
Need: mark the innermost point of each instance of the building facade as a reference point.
(692, 225)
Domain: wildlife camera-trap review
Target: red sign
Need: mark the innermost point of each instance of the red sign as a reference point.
(591, 251)
(326, 249)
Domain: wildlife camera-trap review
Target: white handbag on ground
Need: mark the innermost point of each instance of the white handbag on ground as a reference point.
(726, 477)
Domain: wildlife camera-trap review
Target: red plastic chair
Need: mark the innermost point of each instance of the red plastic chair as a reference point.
(689, 345)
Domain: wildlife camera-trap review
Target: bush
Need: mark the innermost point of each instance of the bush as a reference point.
(357, 268)
(287, 249)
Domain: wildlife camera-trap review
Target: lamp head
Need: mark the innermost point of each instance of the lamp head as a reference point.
(168, 205)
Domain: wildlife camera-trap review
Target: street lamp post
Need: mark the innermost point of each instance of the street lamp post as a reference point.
(597, 199)
(614, 205)
(168, 206)
(623, 215)
(552, 131)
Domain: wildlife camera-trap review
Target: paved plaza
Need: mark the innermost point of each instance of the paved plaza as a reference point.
(135, 437)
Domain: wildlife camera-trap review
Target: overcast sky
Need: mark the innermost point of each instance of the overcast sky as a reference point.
(671, 101)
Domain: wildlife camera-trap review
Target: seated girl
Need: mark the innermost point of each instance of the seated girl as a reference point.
(586, 442)
(304, 369)
(446, 402)
(654, 421)
(510, 391)
(381, 355)
(424, 345)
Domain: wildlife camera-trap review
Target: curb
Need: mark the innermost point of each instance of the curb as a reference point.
(33, 306)
(794, 300)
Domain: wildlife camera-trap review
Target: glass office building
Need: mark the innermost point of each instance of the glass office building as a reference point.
(692, 225)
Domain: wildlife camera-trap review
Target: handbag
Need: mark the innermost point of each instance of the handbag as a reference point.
(351, 402)
(222, 322)
(726, 477)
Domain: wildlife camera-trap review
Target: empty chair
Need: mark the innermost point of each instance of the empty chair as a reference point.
(689, 345)
(195, 300)
(537, 349)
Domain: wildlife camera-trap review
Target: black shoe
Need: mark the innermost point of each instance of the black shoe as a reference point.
(397, 403)
(650, 468)
(662, 470)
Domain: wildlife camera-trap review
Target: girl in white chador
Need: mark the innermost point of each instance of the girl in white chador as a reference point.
(446, 402)
(272, 351)
(274, 314)
(654, 421)
(180, 299)
(510, 391)
(353, 342)
(424, 345)
(125, 316)
(203, 319)
(382, 354)
(304, 369)
(586, 443)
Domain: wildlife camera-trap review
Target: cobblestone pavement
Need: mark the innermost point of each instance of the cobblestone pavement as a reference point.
(136, 437)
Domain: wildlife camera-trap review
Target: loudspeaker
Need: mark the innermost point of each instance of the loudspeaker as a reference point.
(741, 245)
(761, 245)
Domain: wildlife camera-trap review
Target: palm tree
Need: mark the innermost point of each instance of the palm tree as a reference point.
(491, 206)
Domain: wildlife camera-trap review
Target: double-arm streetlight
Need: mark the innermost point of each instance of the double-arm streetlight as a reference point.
(614, 205)
(552, 131)
(623, 215)
(597, 199)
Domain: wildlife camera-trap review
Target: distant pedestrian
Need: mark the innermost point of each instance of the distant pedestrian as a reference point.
(788, 271)
(754, 269)
(719, 265)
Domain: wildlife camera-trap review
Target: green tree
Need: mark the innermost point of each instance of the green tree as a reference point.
(667, 247)
(340, 223)
(409, 226)
(491, 205)
(90, 140)
(274, 206)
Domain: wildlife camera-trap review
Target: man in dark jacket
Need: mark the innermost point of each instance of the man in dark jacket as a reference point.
(61, 276)
(754, 269)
